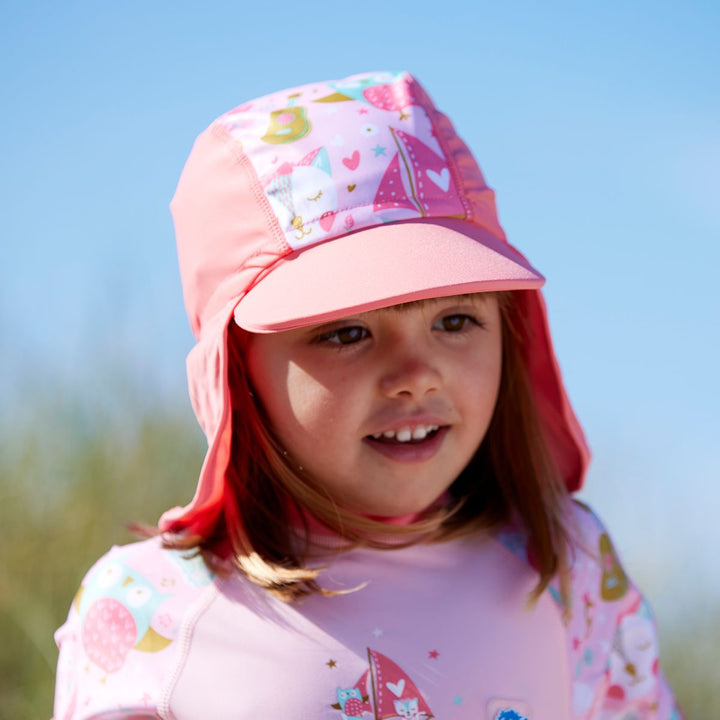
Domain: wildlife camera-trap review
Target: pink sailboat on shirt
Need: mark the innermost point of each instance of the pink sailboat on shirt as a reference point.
(383, 691)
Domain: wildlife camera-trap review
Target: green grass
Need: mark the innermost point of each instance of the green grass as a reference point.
(71, 481)
(67, 492)
(691, 658)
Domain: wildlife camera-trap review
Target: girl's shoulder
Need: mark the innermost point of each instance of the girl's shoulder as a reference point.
(144, 564)
(610, 633)
(119, 638)
(584, 523)
(587, 535)
(595, 567)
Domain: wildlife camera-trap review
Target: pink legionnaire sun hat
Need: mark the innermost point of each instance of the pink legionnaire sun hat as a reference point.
(333, 198)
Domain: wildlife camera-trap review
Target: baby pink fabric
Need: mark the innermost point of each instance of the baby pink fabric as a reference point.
(155, 635)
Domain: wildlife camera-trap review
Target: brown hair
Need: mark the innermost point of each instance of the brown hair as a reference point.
(511, 480)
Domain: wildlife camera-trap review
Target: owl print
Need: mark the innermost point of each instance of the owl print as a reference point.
(351, 703)
(116, 607)
(192, 567)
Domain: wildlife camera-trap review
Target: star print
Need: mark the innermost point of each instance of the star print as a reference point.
(363, 111)
(457, 700)
(379, 150)
(331, 663)
(404, 115)
(377, 632)
(433, 654)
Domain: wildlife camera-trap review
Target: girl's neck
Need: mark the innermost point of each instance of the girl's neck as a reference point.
(322, 537)
(407, 519)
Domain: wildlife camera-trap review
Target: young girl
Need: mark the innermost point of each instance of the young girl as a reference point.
(382, 526)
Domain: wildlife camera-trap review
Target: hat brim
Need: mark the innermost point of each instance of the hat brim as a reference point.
(381, 266)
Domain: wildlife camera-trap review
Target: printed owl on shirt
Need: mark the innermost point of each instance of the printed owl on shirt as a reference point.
(116, 608)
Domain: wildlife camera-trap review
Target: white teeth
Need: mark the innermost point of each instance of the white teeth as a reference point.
(406, 434)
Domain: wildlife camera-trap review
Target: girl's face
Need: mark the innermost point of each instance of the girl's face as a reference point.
(384, 409)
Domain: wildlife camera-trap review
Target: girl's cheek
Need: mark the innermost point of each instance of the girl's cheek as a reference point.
(306, 403)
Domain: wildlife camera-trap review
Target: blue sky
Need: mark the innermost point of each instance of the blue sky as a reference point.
(597, 123)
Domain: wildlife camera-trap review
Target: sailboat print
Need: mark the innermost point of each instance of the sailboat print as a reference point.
(415, 178)
(384, 691)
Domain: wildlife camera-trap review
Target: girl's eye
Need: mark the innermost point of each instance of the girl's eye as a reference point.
(344, 335)
(454, 323)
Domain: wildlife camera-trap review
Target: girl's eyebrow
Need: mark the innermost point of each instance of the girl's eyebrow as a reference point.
(482, 297)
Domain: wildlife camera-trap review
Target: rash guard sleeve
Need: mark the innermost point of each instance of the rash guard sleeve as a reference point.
(119, 641)
(612, 636)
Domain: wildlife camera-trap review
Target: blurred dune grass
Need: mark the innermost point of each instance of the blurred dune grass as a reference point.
(71, 480)
(69, 485)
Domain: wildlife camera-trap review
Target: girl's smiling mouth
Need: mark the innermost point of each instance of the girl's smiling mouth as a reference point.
(406, 434)
(407, 445)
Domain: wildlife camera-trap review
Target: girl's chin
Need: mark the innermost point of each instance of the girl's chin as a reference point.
(408, 514)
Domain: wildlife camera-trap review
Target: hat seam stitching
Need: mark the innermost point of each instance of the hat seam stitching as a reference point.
(279, 242)
(241, 158)
(347, 208)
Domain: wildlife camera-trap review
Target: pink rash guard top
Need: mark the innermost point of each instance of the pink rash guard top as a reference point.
(435, 630)
(439, 630)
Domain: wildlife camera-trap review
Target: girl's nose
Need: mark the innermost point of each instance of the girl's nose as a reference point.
(411, 377)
